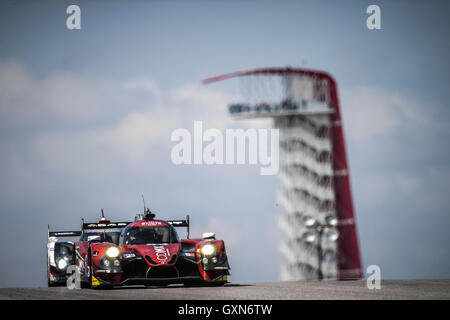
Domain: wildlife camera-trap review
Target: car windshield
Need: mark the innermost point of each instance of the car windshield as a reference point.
(149, 235)
(106, 235)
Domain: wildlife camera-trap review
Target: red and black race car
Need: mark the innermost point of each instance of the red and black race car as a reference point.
(148, 252)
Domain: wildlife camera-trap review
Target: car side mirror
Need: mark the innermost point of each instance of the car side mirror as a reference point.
(209, 235)
(93, 238)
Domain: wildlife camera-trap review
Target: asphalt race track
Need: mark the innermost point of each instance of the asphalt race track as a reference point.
(390, 289)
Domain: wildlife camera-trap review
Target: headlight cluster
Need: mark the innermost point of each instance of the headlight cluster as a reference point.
(112, 252)
(62, 264)
(111, 260)
(213, 257)
(107, 263)
(208, 249)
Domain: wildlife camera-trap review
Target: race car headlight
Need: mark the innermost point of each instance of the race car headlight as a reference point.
(112, 252)
(208, 249)
(62, 264)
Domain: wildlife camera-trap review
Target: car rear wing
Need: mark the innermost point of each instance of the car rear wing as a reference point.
(181, 223)
(62, 233)
(104, 225)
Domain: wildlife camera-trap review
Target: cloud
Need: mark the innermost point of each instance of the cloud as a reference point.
(65, 108)
(407, 183)
(143, 84)
(131, 143)
(375, 112)
(203, 103)
(141, 128)
(26, 100)
(201, 95)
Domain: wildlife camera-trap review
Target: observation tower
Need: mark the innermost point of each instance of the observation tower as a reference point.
(318, 223)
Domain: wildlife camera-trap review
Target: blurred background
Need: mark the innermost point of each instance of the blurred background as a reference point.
(86, 117)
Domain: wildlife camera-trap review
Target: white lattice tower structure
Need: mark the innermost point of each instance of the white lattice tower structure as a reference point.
(313, 173)
(306, 176)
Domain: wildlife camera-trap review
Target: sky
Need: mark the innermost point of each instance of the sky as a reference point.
(86, 118)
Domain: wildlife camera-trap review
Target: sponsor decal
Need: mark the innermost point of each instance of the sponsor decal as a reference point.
(112, 225)
(176, 223)
(60, 279)
(189, 254)
(162, 254)
(151, 223)
(64, 233)
(128, 255)
(95, 282)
